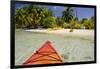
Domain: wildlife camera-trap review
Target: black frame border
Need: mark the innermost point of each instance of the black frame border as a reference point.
(12, 34)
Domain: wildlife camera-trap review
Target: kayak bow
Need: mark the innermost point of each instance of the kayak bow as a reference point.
(45, 55)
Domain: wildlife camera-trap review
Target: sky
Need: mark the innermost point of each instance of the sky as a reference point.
(82, 12)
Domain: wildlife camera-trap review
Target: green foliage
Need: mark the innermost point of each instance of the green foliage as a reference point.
(65, 25)
(31, 16)
(74, 24)
(84, 20)
(20, 18)
(71, 30)
(77, 26)
(68, 14)
(35, 16)
(88, 23)
(60, 22)
(49, 22)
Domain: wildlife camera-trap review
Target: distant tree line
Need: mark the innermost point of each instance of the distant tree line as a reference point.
(33, 17)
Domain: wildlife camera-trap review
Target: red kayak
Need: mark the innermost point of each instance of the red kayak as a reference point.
(45, 55)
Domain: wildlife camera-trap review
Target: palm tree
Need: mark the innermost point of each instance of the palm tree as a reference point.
(68, 15)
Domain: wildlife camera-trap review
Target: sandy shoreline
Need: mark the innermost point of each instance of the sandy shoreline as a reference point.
(64, 31)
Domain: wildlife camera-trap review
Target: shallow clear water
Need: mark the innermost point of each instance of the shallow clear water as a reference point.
(71, 48)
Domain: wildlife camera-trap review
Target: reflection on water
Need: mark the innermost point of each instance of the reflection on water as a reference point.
(70, 48)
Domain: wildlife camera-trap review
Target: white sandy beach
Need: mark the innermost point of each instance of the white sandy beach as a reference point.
(64, 31)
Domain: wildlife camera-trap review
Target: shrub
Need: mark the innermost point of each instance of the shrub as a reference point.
(71, 30)
(49, 22)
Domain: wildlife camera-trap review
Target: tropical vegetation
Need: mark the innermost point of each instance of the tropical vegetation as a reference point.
(35, 16)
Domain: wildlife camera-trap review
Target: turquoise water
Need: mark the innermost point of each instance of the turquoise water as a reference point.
(71, 48)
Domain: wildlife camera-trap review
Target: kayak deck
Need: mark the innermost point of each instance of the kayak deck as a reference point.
(45, 55)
